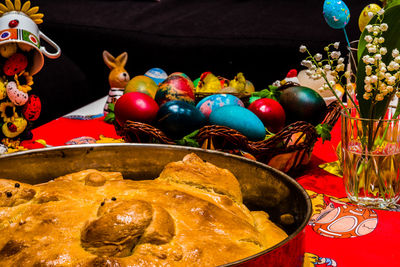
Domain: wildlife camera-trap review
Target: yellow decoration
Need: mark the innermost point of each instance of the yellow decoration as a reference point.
(28, 81)
(7, 110)
(13, 129)
(7, 50)
(104, 139)
(364, 17)
(210, 84)
(3, 90)
(13, 145)
(26, 8)
(239, 83)
(41, 141)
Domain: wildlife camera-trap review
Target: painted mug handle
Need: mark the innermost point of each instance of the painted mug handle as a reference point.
(51, 43)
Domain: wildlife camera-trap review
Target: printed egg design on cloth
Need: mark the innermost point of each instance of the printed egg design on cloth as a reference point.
(175, 87)
(336, 13)
(13, 129)
(240, 119)
(16, 96)
(15, 64)
(31, 110)
(213, 102)
(157, 75)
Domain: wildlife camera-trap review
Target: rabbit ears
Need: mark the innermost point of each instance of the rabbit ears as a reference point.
(113, 62)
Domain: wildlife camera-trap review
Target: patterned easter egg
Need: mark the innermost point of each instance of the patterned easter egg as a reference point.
(31, 110)
(142, 84)
(336, 13)
(16, 96)
(240, 119)
(15, 128)
(175, 87)
(364, 18)
(15, 64)
(158, 75)
(212, 102)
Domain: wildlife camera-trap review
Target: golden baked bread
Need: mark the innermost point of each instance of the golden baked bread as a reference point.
(191, 215)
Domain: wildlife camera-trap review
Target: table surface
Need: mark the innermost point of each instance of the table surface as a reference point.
(338, 234)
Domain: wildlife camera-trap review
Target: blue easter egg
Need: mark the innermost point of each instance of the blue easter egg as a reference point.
(212, 102)
(158, 75)
(240, 119)
(336, 13)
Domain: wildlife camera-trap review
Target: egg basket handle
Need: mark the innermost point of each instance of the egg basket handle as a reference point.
(139, 132)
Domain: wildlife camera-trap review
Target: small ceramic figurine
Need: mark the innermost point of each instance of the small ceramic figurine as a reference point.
(118, 77)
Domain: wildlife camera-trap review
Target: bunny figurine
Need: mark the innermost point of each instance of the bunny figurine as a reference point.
(118, 77)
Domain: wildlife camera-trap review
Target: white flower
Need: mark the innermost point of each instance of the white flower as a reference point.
(374, 78)
(367, 80)
(335, 54)
(303, 49)
(306, 63)
(340, 67)
(332, 83)
(318, 57)
(397, 59)
(336, 45)
(368, 38)
(327, 67)
(371, 60)
(378, 56)
(389, 88)
(309, 72)
(391, 80)
(379, 97)
(395, 52)
(396, 66)
(381, 40)
(369, 28)
(347, 74)
(340, 60)
(388, 75)
(368, 88)
(383, 27)
(372, 49)
(390, 67)
(381, 12)
(368, 70)
(349, 87)
(370, 14)
(383, 51)
(366, 96)
(365, 59)
(382, 70)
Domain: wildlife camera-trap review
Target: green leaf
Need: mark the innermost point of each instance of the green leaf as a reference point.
(111, 107)
(392, 3)
(271, 92)
(189, 140)
(324, 131)
(392, 41)
(110, 117)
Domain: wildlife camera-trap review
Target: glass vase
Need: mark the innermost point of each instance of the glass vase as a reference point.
(371, 159)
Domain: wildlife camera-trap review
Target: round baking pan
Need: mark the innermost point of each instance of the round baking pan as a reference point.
(263, 187)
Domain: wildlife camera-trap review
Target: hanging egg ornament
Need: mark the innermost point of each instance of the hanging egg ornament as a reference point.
(175, 87)
(31, 110)
(15, 128)
(364, 18)
(143, 84)
(15, 64)
(17, 97)
(158, 75)
(336, 13)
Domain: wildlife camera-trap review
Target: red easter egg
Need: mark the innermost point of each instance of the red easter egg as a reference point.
(175, 87)
(15, 64)
(135, 106)
(31, 109)
(270, 112)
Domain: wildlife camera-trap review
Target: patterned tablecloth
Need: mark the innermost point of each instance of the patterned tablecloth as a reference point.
(339, 234)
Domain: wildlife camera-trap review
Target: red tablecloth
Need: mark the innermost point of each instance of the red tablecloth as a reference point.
(338, 234)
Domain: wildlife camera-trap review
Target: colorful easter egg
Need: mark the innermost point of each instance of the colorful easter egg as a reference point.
(178, 118)
(15, 64)
(240, 119)
(16, 96)
(212, 102)
(158, 75)
(302, 104)
(31, 110)
(270, 112)
(135, 106)
(143, 84)
(336, 13)
(364, 18)
(175, 87)
(15, 128)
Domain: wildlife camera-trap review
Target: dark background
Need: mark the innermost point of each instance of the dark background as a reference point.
(259, 38)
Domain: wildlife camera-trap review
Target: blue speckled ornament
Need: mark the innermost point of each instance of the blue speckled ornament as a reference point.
(158, 75)
(336, 13)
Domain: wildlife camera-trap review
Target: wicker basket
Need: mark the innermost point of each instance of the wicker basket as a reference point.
(288, 150)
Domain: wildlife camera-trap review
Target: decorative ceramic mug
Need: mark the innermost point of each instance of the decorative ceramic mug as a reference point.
(19, 28)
